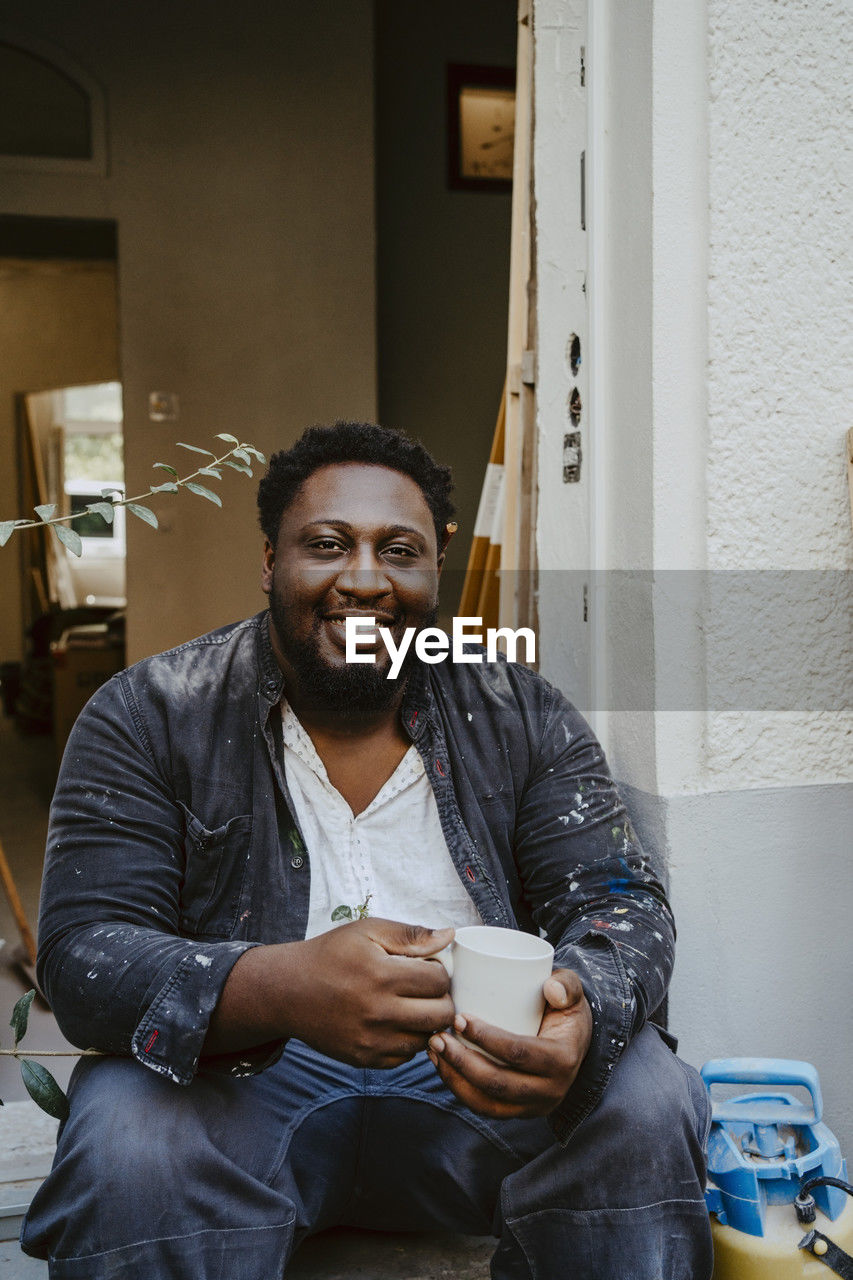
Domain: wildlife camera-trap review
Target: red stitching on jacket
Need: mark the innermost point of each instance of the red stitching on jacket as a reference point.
(151, 1039)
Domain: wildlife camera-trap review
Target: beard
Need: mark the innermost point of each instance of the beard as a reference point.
(349, 691)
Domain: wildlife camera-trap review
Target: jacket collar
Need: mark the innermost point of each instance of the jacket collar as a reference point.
(270, 678)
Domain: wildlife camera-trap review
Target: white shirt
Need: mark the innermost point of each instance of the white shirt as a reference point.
(394, 851)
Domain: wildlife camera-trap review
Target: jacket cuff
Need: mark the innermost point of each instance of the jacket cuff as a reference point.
(597, 963)
(172, 1031)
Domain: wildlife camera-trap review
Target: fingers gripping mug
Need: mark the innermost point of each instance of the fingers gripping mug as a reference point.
(497, 975)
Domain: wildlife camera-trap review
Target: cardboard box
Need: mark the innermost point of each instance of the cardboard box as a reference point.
(77, 673)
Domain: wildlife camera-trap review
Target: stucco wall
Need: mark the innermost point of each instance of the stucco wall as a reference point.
(780, 379)
(714, 440)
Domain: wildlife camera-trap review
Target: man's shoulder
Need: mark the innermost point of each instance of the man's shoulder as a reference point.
(232, 648)
(509, 689)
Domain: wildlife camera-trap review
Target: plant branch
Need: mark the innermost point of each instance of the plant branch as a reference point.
(179, 482)
(51, 1053)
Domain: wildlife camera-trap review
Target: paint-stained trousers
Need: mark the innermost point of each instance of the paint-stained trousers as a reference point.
(222, 1180)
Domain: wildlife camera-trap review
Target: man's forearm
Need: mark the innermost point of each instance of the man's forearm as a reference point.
(250, 1011)
(364, 993)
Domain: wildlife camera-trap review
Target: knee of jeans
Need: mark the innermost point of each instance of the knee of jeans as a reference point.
(656, 1098)
(122, 1129)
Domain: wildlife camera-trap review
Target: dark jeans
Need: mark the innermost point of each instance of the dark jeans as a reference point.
(222, 1179)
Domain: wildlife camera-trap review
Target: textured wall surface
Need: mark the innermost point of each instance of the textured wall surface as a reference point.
(780, 381)
(731, 312)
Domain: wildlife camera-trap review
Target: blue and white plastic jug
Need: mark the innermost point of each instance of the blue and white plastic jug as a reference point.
(778, 1204)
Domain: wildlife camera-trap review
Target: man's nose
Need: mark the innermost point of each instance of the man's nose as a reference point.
(364, 575)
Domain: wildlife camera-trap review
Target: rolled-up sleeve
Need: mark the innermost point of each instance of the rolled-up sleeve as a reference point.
(112, 963)
(590, 887)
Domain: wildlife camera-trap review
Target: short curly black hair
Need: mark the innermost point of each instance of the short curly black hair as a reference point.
(366, 442)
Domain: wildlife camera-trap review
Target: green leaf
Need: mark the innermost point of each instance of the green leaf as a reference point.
(168, 487)
(105, 510)
(363, 908)
(46, 510)
(144, 513)
(342, 913)
(195, 449)
(164, 466)
(203, 493)
(69, 538)
(242, 455)
(255, 453)
(210, 471)
(106, 493)
(6, 530)
(43, 1089)
(223, 435)
(238, 466)
(20, 1016)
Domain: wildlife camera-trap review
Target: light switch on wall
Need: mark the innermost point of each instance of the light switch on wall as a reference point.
(163, 406)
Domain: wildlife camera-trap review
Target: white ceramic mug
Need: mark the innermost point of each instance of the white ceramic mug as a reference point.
(497, 975)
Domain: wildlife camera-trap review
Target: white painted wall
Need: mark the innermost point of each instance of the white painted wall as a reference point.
(778, 394)
(562, 533)
(714, 439)
(780, 379)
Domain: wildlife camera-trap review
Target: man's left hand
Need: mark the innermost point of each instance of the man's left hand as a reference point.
(532, 1073)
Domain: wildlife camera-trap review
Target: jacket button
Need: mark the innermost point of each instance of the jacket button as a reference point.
(297, 861)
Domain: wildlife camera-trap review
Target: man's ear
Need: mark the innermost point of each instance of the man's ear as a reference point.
(449, 530)
(267, 566)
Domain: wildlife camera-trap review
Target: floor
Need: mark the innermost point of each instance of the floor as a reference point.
(27, 775)
(341, 1255)
(27, 1135)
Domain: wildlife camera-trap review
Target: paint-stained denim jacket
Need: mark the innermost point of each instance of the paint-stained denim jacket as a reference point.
(173, 847)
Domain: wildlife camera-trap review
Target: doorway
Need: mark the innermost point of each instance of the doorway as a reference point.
(58, 329)
(72, 439)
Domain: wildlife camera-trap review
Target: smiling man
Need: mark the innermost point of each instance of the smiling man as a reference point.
(273, 1071)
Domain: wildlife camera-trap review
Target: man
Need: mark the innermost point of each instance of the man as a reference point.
(217, 805)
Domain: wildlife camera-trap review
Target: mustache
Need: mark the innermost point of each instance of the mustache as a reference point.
(382, 617)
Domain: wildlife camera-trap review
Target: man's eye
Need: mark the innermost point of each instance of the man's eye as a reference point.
(325, 544)
(400, 551)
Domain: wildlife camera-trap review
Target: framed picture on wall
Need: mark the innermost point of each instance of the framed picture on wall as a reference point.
(480, 127)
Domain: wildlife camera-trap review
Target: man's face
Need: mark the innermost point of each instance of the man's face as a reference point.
(358, 541)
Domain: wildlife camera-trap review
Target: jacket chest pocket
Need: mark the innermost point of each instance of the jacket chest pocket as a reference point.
(215, 867)
(497, 810)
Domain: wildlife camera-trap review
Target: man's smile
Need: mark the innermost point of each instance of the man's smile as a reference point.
(335, 625)
(357, 543)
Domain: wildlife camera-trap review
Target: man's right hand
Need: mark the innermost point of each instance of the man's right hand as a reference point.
(364, 993)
